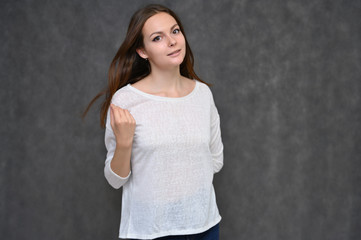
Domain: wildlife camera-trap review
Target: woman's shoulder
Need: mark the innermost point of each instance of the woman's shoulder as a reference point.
(206, 91)
(204, 87)
(121, 91)
(190, 84)
(198, 86)
(122, 96)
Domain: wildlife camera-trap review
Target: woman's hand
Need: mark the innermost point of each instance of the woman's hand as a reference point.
(123, 125)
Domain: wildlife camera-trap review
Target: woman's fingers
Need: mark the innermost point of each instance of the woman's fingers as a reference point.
(123, 124)
(121, 115)
(117, 112)
(112, 120)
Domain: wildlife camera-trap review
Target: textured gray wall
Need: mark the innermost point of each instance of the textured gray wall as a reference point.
(286, 78)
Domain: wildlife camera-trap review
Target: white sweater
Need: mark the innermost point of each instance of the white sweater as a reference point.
(177, 147)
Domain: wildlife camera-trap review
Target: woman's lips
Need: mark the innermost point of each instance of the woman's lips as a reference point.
(175, 53)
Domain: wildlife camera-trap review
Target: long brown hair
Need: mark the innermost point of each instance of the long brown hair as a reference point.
(128, 67)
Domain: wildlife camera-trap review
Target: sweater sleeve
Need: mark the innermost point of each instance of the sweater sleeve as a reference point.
(113, 179)
(216, 145)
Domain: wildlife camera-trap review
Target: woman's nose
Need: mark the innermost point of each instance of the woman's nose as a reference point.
(172, 41)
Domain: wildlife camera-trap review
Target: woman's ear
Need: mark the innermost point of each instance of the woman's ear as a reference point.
(141, 52)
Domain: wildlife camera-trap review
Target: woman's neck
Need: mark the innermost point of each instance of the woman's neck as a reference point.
(165, 81)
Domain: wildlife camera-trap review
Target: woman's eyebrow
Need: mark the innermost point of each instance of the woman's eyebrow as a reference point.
(162, 32)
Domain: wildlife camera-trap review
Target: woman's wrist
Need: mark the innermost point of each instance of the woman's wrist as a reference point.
(124, 145)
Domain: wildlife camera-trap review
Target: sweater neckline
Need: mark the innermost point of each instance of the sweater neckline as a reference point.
(156, 97)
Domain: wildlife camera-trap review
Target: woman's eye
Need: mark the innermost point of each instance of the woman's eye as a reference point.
(156, 39)
(175, 31)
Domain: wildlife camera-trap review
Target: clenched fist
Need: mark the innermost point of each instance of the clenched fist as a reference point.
(123, 125)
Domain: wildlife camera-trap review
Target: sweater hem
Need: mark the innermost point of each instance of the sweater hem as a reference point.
(172, 232)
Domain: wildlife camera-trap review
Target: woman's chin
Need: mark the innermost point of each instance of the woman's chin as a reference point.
(177, 61)
(172, 64)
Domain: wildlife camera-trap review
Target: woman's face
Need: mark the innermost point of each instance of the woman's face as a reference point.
(164, 43)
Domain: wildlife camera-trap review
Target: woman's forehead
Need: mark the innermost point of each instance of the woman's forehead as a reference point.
(159, 22)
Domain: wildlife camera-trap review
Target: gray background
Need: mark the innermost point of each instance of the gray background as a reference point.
(286, 78)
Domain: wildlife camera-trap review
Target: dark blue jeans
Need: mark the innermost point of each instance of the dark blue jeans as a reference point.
(210, 234)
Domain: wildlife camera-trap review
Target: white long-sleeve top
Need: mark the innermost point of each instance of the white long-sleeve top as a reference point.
(177, 147)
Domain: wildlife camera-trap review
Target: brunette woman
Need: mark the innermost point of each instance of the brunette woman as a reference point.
(162, 133)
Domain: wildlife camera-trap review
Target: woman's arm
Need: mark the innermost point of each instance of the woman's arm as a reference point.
(118, 141)
(120, 163)
(216, 145)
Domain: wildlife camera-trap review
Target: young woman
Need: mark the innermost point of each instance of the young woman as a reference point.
(162, 133)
